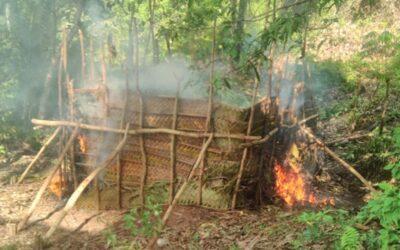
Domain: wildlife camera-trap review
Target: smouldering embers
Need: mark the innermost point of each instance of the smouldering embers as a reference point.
(291, 184)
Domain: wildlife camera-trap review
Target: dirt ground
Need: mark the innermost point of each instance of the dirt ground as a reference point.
(271, 227)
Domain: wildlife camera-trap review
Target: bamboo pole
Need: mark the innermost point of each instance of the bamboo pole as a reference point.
(48, 179)
(210, 108)
(182, 189)
(350, 168)
(245, 151)
(82, 186)
(39, 154)
(52, 123)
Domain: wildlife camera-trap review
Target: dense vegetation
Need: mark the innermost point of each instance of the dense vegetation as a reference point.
(240, 34)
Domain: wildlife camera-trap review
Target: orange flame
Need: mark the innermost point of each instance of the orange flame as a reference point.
(291, 184)
(82, 143)
(57, 185)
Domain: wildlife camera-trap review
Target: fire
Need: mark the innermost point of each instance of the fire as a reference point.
(291, 184)
(57, 185)
(82, 143)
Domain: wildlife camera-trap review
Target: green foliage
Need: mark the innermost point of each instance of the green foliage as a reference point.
(315, 223)
(350, 239)
(111, 239)
(147, 222)
(381, 215)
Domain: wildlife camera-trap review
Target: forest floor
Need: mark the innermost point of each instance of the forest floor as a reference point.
(271, 227)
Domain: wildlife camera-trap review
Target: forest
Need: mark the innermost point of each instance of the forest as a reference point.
(199, 124)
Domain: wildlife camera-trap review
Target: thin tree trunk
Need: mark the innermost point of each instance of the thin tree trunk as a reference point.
(154, 41)
(239, 33)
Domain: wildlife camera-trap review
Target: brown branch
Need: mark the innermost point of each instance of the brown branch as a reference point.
(348, 138)
(48, 179)
(173, 148)
(143, 154)
(143, 130)
(82, 186)
(39, 154)
(275, 130)
(86, 221)
(339, 160)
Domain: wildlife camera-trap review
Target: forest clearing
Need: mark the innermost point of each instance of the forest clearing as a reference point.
(188, 124)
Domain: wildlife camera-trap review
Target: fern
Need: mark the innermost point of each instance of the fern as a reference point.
(350, 239)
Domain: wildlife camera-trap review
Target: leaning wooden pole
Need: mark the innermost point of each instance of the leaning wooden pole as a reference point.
(350, 168)
(245, 151)
(39, 154)
(210, 108)
(83, 185)
(182, 189)
(46, 183)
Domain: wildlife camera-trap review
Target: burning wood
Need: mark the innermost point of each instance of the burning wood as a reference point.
(58, 185)
(292, 185)
(82, 143)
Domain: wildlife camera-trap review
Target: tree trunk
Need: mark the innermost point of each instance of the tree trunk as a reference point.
(239, 33)
(154, 41)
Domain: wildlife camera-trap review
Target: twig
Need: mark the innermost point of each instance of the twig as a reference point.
(339, 160)
(58, 208)
(82, 186)
(39, 154)
(86, 221)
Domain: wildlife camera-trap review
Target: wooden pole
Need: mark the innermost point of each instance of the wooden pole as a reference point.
(39, 154)
(173, 148)
(182, 189)
(72, 117)
(119, 164)
(245, 151)
(83, 59)
(50, 123)
(91, 76)
(82, 186)
(48, 179)
(210, 108)
(275, 130)
(350, 168)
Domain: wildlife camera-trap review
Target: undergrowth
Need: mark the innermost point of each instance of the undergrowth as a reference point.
(375, 226)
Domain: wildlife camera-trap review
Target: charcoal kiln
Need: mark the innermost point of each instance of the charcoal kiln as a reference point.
(170, 158)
